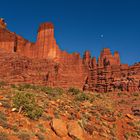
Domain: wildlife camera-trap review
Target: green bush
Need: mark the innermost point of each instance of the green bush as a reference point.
(52, 92)
(42, 128)
(40, 136)
(46, 117)
(3, 136)
(3, 116)
(6, 104)
(82, 97)
(3, 120)
(22, 87)
(136, 94)
(2, 84)
(73, 91)
(23, 135)
(13, 86)
(35, 113)
(119, 94)
(26, 102)
(15, 128)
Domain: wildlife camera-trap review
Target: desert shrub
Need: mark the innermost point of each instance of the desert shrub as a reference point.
(23, 135)
(57, 91)
(2, 83)
(3, 136)
(73, 91)
(35, 113)
(122, 101)
(99, 95)
(40, 136)
(26, 102)
(46, 117)
(107, 111)
(138, 132)
(72, 116)
(127, 135)
(56, 114)
(119, 94)
(82, 97)
(15, 128)
(3, 116)
(120, 115)
(3, 120)
(134, 134)
(52, 92)
(136, 94)
(41, 128)
(135, 124)
(22, 87)
(5, 104)
(4, 124)
(13, 86)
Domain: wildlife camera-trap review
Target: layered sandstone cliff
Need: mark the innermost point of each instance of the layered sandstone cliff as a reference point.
(44, 63)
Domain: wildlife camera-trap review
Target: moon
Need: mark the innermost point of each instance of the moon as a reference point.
(102, 35)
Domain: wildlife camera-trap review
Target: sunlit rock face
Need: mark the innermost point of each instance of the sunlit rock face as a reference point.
(46, 43)
(2, 23)
(44, 63)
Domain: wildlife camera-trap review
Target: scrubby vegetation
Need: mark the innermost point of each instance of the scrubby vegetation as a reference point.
(26, 102)
(23, 135)
(73, 91)
(3, 120)
(82, 97)
(26, 112)
(3, 136)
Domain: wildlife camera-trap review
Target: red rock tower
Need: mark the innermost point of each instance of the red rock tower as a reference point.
(46, 44)
(2, 23)
(87, 57)
(107, 58)
(94, 62)
(117, 58)
(45, 34)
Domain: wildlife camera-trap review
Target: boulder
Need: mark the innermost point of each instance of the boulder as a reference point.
(136, 110)
(59, 127)
(75, 131)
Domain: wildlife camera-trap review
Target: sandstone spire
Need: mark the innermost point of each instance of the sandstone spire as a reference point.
(117, 58)
(45, 34)
(87, 57)
(46, 43)
(2, 23)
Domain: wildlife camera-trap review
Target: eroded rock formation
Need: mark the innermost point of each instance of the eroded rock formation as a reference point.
(44, 63)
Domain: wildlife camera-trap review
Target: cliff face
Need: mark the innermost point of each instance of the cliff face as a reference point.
(44, 63)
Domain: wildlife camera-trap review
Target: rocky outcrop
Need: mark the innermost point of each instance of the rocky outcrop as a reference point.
(59, 127)
(109, 75)
(136, 110)
(75, 131)
(2, 23)
(44, 63)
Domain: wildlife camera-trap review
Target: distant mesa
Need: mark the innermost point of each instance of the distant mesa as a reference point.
(43, 62)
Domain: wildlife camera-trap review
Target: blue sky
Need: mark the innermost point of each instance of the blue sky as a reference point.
(79, 24)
